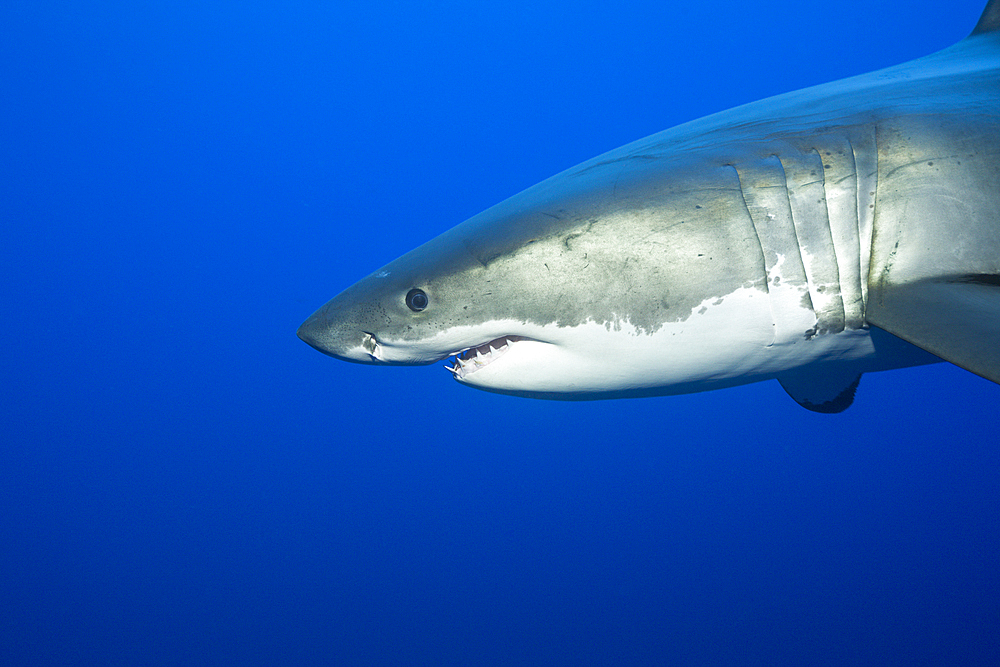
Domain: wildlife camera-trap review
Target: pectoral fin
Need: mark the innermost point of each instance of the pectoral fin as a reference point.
(957, 318)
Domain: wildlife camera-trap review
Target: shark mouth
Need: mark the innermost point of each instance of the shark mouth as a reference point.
(471, 359)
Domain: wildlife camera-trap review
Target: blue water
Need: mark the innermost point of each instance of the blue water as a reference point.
(184, 482)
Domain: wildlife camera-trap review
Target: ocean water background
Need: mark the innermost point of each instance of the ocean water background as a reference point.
(182, 481)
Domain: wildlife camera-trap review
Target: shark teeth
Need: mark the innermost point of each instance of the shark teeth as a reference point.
(471, 359)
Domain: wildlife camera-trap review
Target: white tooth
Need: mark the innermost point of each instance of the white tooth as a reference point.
(453, 370)
(492, 351)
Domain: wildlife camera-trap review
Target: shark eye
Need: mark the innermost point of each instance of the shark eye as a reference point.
(416, 300)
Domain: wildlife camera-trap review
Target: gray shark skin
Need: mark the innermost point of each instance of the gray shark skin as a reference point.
(810, 237)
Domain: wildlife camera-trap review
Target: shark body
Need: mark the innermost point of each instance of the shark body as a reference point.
(810, 237)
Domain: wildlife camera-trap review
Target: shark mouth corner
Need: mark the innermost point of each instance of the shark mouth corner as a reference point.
(471, 359)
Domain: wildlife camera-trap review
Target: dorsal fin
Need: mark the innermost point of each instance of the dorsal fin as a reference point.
(990, 20)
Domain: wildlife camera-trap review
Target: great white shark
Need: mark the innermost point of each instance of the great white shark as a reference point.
(809, 237)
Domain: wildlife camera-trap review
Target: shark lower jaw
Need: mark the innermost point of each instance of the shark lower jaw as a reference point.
(465, 362)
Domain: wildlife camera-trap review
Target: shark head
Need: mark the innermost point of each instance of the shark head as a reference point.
(581, 287)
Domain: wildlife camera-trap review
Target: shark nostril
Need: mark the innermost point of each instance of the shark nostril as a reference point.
(371, 345)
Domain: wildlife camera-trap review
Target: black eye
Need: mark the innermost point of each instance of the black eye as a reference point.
(416, 300)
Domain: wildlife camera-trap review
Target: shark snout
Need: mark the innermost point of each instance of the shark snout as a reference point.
(336, 339)
(317, 332)
(314, 332)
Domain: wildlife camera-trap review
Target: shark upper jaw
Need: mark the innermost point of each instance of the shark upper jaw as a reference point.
(462, 360)
(466, 362)
(468, 348)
